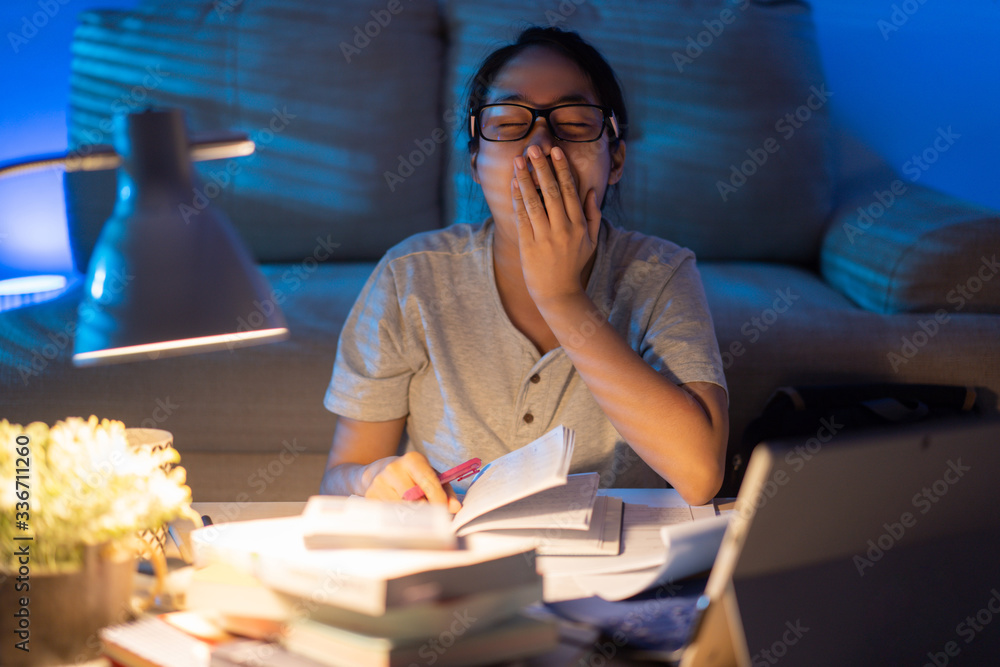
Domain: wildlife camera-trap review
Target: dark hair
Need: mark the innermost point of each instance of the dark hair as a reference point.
(570, 44)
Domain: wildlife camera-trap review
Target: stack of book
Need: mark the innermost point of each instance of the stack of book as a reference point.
(341, 584)
(371, 607)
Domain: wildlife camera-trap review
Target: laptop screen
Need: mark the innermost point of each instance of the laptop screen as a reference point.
(879, 547)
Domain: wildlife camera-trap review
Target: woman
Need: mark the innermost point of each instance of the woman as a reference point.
(476, 339)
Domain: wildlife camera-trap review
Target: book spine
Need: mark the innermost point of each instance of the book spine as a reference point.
(332, 586)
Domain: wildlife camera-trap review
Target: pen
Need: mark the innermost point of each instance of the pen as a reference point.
(459, 472)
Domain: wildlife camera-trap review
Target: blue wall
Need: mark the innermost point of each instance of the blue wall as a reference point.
(899, 70)
(34, 77)
(902, 69)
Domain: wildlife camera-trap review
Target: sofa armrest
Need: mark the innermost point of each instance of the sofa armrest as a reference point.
(907, 248)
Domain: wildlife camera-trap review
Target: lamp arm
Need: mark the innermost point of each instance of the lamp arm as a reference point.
(213, 146)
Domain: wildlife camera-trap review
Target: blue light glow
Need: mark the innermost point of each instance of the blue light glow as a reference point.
(31, 284)
(97, 286)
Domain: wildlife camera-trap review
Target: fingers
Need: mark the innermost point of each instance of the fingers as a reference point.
(547, 183)
(559, 202)
(411, 469)
(524, 229)
(454, 504)
(529, 201)
(567, 184)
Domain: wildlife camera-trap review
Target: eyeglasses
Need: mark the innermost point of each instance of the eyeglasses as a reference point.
(567, 122)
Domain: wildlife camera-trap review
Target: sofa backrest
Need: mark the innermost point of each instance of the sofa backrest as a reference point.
(331, 96)
(358, 113)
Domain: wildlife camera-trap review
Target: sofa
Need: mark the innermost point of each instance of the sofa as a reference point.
(821, 265)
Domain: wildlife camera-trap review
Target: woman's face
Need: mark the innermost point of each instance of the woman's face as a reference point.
(540, 77)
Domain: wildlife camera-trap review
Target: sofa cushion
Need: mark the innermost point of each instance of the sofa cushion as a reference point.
(331, 96)
(782, 325)
(716, 90)
(907, 248)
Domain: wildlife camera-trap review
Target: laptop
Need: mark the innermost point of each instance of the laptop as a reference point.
(877, 547)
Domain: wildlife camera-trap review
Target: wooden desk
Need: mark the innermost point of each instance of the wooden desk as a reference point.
(225, 512)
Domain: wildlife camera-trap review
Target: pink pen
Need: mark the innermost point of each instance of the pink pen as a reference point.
(459, 472)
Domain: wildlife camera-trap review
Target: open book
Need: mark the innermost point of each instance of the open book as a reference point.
(525, 495)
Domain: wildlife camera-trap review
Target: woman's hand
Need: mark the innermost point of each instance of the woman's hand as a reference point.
(409, 470)
(557, 231)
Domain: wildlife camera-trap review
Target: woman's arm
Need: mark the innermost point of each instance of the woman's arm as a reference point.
(363, 461)
(680, 431)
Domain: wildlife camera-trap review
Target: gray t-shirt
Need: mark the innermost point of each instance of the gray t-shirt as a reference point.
(429, 338)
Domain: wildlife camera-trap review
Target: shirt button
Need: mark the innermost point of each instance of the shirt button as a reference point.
(535, 379)
(528, 418)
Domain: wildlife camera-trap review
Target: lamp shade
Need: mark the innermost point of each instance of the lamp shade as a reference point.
(169, 274)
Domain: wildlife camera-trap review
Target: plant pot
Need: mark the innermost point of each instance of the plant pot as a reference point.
(60, 614)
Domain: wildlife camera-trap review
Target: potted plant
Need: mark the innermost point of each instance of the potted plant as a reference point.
(74, 498)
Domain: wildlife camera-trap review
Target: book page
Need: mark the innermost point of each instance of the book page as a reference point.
(535, 467)
(690, 549)
(335, 522)
(642, 544)
(686, 548)
(565, 507)
(602, 538)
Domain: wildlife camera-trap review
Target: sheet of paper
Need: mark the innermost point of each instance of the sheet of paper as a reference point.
(704, 511)
(690, 548)
(565, 507)
(642, 546)
(535, 467)
(642, 524)
(651, 497)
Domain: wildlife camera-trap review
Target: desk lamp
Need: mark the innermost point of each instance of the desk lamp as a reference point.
(166, 277)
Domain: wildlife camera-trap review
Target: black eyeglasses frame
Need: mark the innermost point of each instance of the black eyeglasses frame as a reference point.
(609, 121)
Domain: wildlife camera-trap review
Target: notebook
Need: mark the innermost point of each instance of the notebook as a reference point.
(877, 547)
